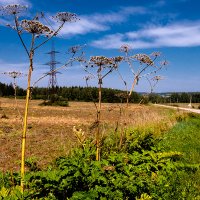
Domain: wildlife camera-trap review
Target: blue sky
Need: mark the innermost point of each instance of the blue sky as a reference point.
(169, 26)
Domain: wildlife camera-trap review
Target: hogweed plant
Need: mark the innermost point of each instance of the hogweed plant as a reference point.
(100, 67)
(154, 81)
(15, 75)
(39, 35)
(142, 66)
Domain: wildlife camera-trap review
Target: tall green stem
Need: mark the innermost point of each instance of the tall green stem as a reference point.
(98, 118)
(25, 123)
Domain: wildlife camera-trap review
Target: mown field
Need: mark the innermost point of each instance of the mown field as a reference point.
(50, 128)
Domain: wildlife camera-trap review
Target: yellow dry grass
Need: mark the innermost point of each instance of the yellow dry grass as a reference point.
(50, 128)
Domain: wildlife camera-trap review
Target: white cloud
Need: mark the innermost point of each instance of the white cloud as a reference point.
(185, 34)
(83, 26)
(21, 2)
(99, 22)
(95, 22)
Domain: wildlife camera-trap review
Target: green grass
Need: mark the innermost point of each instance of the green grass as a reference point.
(184, 137)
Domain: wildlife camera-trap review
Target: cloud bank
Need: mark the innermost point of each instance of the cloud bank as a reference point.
(99, 22)
(179, 34)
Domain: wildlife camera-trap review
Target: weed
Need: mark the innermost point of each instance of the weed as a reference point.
(4, 116)
(140, 170)
(36, 29)
(32, 165)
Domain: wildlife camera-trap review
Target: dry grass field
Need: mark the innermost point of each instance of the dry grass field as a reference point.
(50, 128)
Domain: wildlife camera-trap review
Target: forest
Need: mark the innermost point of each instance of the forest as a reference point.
(89, 94)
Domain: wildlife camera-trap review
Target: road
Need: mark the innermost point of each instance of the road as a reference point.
(179, 108)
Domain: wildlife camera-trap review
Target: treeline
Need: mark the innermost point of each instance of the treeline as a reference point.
(175, 97)
(86, 94)
(185, 97)
(8, 90)
(76, 93)
(109, 95)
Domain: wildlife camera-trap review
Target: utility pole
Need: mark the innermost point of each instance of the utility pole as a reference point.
(52, 84)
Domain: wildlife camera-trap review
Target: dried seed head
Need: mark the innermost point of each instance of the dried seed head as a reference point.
(12, 9)
(33, 26)
(105, 62)
(87, 78)
(164, 63)
(66, 17)
(125, 48)
(14, 74)
(157, 78)
(117, 59)
(101, 61)
(156, 54)
(143, 58)
(74, 49)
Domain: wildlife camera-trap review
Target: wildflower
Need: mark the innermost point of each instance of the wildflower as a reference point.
(74, 49)
(164, 63)
(33, 26)
(101, 60)
(66, 17)
(143, 58)
(125, 48)
(13, 74)
(117, 59)
(13, 9)
(157, 78)
(156, 54)
(80, 134)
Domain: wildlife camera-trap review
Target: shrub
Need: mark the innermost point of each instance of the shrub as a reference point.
(137, 170)
(55, 100)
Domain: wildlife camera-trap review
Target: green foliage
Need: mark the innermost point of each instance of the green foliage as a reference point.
(86, 94)
(184, 97)
(55, 100)
(119, 175)
(32, 165)
(184, 137)
(6, 90)
(135, 166)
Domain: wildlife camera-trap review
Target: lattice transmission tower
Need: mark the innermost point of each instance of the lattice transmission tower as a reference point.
(53, 84)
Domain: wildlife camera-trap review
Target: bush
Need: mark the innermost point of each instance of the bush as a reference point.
(136, 170)
(55, 100)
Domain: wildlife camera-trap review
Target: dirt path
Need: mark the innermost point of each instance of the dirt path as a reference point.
(179, 108)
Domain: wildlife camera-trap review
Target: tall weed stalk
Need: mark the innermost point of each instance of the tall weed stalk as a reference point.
(36, 30)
